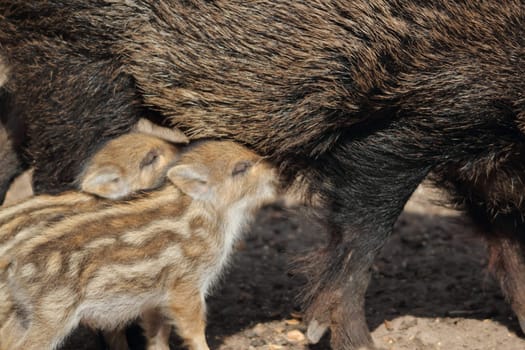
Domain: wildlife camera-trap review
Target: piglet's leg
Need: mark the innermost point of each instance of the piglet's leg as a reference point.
(188, 312)
(116, 339)
(40, 336)
(11, 332)
(156, 329)
(46, 322)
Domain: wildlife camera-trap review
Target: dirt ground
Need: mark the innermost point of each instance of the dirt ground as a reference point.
(429, 290)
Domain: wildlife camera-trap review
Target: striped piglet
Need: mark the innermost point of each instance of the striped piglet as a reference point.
(77, 258)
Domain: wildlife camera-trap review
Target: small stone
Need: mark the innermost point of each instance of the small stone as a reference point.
(259, 329)
(279, 329)
(388, 325)
(407, 323)
(295, 336)
(249, 333)
(257, 342)
(292, 322)
(297, 315)
(275, 347)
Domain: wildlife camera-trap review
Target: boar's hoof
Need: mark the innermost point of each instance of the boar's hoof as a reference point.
(521, 318)
(316, 331)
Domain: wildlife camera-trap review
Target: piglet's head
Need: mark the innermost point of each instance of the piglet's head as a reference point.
(128, 164)
(224, 174)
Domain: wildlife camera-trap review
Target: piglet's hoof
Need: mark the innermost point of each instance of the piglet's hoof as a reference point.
(316, 331)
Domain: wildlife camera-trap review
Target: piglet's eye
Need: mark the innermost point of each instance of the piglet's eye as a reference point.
(150, 158)
(241, 167)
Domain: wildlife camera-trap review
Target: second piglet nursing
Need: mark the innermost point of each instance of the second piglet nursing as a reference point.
(105, 265)
(127, 164)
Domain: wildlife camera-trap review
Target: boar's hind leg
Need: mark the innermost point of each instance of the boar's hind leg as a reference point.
(506, 245)
(508, 264)
(365, 183)
(494, 198)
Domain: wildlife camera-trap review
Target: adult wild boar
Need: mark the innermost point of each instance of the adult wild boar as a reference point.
(360, 99)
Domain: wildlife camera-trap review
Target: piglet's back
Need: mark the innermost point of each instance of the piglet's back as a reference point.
(58, 233)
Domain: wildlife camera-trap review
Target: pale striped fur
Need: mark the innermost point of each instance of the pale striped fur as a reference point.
(85, 259)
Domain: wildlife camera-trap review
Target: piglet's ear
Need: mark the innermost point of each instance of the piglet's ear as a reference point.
(105, 182)
(168, 134)
(192, 179)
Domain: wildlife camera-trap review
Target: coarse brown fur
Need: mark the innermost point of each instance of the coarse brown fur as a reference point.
(75, 258)
(360, 99)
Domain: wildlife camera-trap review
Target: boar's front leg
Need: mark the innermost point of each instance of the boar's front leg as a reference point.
(365, 183)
